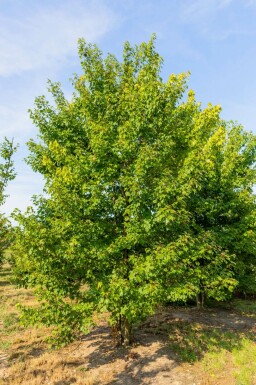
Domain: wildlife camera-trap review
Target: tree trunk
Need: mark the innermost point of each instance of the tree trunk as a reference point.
(122, 332)
(126, 332)
(200, 300)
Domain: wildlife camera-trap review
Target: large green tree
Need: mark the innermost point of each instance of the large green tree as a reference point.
(149, 196)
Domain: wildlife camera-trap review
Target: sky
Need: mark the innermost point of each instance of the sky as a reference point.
(214, 39)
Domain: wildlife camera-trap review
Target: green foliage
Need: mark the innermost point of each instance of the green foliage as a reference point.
(7, 173)
(149, 196)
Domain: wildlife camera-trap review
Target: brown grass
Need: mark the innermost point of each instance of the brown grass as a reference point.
(48, 368)
(176, 346)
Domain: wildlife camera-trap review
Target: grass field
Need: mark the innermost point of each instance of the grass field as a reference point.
(210, 347)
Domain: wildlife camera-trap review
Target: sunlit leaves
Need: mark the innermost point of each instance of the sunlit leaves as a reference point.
(149, 195)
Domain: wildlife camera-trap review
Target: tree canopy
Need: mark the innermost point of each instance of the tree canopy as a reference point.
(149, 196)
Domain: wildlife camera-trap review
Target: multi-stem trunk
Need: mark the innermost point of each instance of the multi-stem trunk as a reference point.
(200, 299)
(122, 332)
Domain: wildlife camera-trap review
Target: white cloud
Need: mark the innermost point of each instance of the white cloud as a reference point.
(37, 41)
(47, 36)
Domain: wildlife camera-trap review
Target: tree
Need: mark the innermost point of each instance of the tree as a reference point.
(149, 196)
(7, 150)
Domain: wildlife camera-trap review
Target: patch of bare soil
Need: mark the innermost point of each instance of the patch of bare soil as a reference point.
(220, 318)
(95, 361)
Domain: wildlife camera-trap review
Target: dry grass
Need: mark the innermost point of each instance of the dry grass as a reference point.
(48, 368)
(25, 357)
(176, 346)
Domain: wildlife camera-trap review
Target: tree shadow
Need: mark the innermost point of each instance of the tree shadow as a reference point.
(24, 352)
(165, 341)
(70, 381)
(136, 363)
(191, 341)
(4, 283)
(5, 272)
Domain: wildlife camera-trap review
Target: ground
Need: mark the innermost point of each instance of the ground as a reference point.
(176, 346)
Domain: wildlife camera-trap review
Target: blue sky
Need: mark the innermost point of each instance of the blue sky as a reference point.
(214, 39)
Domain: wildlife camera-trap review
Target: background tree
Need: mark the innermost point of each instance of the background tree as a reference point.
(7, 173)
(149, 196)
